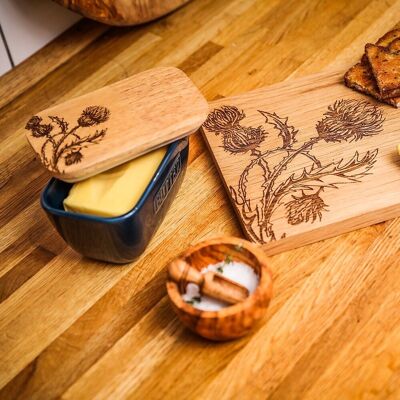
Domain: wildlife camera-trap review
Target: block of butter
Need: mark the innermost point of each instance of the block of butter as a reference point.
(114, 192)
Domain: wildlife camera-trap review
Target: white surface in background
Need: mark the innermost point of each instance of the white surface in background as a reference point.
(5, 64)
(28, 25)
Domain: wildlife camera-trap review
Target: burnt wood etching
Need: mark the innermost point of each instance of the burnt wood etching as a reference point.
(66, 143)
(300, 194)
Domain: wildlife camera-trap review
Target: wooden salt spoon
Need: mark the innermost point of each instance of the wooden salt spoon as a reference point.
(210, 283)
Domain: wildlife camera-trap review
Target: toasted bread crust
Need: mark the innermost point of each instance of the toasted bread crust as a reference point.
(385, 67)
(394, 47)
(360, 78)
(386, 40)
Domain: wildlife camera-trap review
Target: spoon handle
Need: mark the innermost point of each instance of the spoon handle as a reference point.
(181, 272)
(211, 284)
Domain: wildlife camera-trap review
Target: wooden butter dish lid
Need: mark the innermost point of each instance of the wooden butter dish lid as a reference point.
(100, 130)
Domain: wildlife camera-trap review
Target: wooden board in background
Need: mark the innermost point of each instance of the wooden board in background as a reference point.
(307, 159)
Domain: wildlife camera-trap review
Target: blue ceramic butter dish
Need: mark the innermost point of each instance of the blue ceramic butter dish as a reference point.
(119, 239)
(99, 131)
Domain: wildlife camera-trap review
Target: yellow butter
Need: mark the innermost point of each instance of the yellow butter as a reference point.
(117, 191)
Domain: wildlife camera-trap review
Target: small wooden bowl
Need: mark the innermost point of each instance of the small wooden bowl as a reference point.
(236, 320)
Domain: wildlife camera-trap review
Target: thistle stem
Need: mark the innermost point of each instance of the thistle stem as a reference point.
(270, 199)
(57, 152)
(268, 209)
(49, 139)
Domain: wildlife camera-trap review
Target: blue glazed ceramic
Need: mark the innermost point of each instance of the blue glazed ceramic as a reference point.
(119, 239)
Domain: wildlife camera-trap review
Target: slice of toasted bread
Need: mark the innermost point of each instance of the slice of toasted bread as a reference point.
(385, 67)
(360, 78)
(386, 40)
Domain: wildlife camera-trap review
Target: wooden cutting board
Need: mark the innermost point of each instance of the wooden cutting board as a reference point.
(306, 159)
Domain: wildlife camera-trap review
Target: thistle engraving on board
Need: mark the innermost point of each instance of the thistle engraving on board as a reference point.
(67, 144)
(300, 194)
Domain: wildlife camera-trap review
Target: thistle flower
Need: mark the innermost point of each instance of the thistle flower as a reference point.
(350, 120)
(224, 119)
(93, 115)
(305, 208)
(243, 139)
(73, 157)
(236, 138)
(38, 129)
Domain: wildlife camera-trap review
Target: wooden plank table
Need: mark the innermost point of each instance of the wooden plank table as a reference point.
(75, 328)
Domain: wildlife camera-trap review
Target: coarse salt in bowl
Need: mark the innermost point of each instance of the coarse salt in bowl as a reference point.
(235, 271)
(231, 321)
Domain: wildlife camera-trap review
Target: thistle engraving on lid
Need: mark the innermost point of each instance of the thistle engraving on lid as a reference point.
(62, 144)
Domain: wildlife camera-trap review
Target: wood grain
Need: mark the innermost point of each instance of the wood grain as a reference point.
(79, 329)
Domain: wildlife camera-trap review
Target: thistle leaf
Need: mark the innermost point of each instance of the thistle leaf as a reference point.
(243, 181)
(286, 132)
(265, 167)
(83, 142)
(94, 138)
(340, 172)
(63, 125)
(235, 196)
